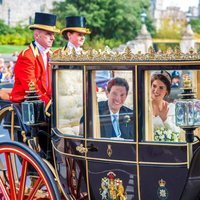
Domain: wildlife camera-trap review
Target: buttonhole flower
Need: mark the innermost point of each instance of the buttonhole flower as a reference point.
(127, 119)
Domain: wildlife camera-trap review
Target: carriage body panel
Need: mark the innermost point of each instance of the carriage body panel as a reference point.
(87, 164)
(147, 169)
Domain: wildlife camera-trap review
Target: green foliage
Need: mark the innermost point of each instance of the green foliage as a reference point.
(4, 29)
(19, 35)
(100, 43)
(4, 39)
(170, 29)
(14, 35)
(164, 46)
(195, 25)
(10, 49)
(59, 41)
(112, 20)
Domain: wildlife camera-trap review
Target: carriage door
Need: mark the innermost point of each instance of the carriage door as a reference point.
(67, 135)
(111, 157)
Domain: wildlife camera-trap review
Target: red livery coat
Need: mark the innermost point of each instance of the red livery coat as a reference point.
(30, 67)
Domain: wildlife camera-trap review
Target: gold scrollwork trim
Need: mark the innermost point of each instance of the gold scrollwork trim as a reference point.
(81, 149)
(107, 55)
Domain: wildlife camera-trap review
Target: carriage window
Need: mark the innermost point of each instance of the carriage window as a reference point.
(162, 89)
(113, 105)
(70, 101)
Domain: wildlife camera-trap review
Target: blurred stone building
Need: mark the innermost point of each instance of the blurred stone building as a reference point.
(14, 12)
(159, 13)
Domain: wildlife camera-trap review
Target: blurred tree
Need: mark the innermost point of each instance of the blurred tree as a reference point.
(170, 29)
(114, 20)
(14, 35)
(4, 29)
(195, 23)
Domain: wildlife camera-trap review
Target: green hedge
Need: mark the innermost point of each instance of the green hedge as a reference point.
(10, 49)
(21, 36)
(14, 35)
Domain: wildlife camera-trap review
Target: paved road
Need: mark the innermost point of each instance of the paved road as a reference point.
(8, 57)
(4, 135)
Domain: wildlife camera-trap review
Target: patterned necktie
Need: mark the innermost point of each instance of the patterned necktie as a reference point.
(115, 123)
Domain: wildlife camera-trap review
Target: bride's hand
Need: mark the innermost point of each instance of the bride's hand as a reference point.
(164, 111)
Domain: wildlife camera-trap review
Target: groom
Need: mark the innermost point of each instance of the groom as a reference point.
(116, 120)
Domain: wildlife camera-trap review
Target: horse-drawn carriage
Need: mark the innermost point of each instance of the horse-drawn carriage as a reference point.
(64, 156)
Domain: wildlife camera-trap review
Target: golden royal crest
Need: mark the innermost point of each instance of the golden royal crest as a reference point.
(112, 188)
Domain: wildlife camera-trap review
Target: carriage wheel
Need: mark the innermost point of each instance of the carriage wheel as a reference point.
(15, 130)
(31, 178)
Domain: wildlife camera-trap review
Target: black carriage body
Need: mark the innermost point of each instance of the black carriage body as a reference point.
(95, 167)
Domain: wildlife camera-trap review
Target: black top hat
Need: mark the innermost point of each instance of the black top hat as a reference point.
(45, 21)
(77, 24)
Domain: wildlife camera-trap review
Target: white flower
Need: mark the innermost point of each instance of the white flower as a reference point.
(163, 134)
(169, 136)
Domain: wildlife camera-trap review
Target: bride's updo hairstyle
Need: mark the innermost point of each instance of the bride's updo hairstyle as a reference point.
(163, 76)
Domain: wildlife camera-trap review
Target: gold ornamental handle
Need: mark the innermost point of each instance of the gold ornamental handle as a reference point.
(109, 150)
(81, 149)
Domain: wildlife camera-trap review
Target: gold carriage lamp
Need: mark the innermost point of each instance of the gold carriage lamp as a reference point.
(32, 107)
(187, 112)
